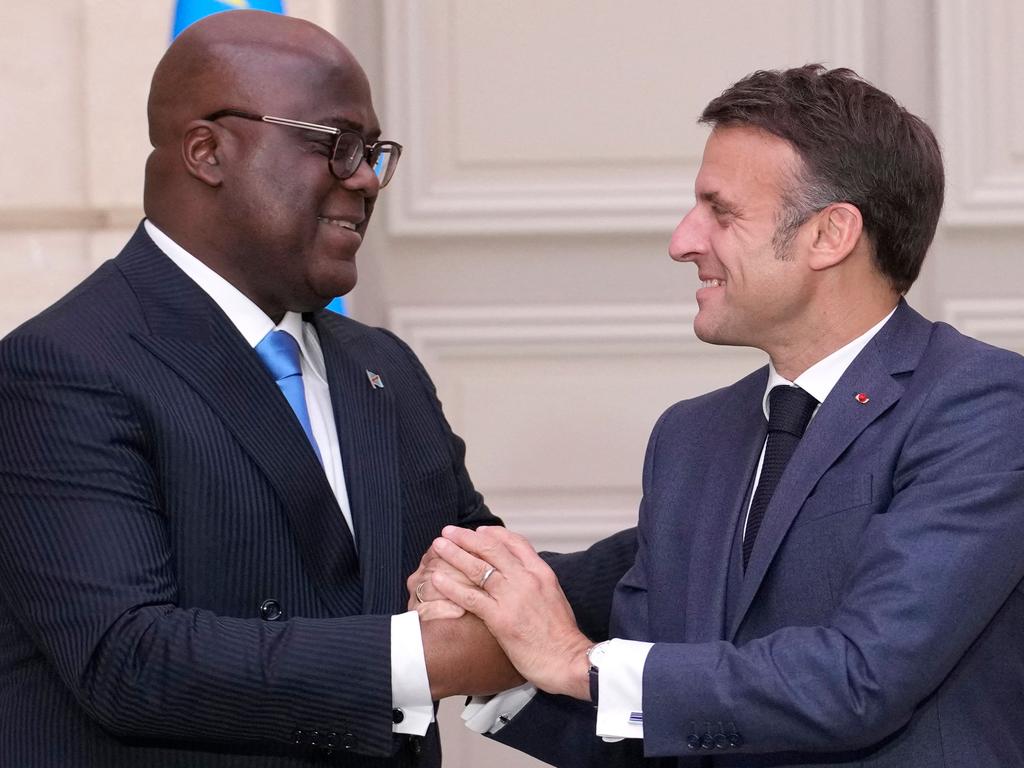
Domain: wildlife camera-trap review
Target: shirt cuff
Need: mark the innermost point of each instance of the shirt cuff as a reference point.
(620, 684)
(410, 688)
(489, 714)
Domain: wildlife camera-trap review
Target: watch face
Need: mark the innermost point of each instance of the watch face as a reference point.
(596, 652)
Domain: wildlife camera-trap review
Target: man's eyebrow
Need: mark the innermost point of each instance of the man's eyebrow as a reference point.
(715, 199)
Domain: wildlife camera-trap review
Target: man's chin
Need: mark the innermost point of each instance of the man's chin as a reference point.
(336, 281)
(711, 333)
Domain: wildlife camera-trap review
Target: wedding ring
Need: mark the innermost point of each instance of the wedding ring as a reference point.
(487, 575)
(419, 597)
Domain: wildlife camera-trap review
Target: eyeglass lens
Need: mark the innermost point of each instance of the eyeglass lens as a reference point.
(350, 153)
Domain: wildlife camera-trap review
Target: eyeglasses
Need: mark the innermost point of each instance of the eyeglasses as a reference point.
(347, 153)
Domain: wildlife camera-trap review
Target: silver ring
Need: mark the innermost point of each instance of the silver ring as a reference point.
(487, 575)
(419, 597)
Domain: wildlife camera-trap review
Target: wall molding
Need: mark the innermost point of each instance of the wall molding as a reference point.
(438, 198)
(565, 518)
(509, 330)
(564, 521)
(63, 219)
(977, 95)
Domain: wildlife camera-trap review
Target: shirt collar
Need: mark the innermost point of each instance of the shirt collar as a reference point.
(819, 380)
(249, 319)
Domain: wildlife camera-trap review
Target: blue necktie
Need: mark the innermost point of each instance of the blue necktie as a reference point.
(280, 354)
(789, 411)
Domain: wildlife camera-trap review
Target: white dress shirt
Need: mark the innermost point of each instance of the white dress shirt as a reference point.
(410, 690)
(620, 704)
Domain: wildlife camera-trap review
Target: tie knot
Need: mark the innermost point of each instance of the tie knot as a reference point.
(789, 410)
(280, 354)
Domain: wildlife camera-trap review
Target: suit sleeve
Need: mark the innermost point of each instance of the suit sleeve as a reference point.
(87, 556)
(935, 567)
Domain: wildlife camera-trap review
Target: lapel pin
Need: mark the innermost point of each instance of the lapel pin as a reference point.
(862, 398)
(375, 380)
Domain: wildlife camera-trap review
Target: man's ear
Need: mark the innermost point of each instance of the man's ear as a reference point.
(837, 230)
(201, 150)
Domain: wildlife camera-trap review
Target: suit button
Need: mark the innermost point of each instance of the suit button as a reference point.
(314, 738)
(693, 741)
(735, 740)
(707, 741)
(415, 745)
(331, 741)
(348, 740)
(397, 716)
(721, 742)
(299, 736)
(270, 610)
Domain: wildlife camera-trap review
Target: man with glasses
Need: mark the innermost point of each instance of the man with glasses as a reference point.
(212, 489)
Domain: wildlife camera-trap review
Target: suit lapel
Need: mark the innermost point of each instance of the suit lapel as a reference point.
(193, 338)
(841, 418)
(741, 427)
(366, 423)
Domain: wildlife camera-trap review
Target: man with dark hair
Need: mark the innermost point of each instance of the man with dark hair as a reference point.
(211, 489)
(856, 144)
(829, 568)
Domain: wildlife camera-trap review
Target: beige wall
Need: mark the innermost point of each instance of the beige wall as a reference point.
(550, 149)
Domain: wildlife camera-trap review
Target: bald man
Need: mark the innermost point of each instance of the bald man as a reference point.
(211, 489)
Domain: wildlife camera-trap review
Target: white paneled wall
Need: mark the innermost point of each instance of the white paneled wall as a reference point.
(551, 146)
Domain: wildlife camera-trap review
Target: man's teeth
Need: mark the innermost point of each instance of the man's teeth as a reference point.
(338, 223)
(712, 283)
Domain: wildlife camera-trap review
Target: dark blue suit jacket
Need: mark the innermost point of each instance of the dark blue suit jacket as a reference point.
(178, 584)
(881, 619)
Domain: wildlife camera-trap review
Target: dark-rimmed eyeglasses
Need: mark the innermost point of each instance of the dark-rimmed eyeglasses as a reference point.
(347, 153)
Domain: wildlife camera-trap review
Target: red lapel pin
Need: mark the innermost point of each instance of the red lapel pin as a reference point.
(862, 398)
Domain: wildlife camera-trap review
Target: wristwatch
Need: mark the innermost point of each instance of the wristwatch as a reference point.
(594, 654)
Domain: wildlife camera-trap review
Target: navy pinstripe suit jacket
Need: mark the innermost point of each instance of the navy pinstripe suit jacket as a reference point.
(156, 490)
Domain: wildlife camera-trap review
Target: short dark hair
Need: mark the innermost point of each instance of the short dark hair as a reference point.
(858, 145)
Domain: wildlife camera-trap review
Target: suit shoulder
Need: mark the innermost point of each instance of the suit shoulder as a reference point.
(83, 323)
(948, 337)
(705, 405)
(959, 354)
(100, 301)
(363, 336)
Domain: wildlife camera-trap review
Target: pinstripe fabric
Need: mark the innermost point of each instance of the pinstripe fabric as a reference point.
(155, 490)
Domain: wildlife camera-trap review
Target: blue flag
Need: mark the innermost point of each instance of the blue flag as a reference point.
(189, 11)
(337, 305)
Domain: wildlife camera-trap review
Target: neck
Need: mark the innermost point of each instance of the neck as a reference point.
(832, 331)
(212, 255)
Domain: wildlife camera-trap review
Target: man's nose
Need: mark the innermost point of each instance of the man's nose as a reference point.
(364, 181)
(689, 239)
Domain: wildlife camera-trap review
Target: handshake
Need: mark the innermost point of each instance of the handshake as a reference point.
(492, 614)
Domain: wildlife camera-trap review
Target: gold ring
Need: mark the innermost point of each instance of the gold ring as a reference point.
(487, 575)
(419, 597)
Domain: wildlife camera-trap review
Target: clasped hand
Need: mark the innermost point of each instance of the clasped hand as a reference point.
(496, 575)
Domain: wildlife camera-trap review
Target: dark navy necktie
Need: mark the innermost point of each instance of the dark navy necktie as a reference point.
(789, 411)
(280, 354)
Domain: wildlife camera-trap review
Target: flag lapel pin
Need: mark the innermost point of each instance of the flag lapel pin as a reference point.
(375, 380)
